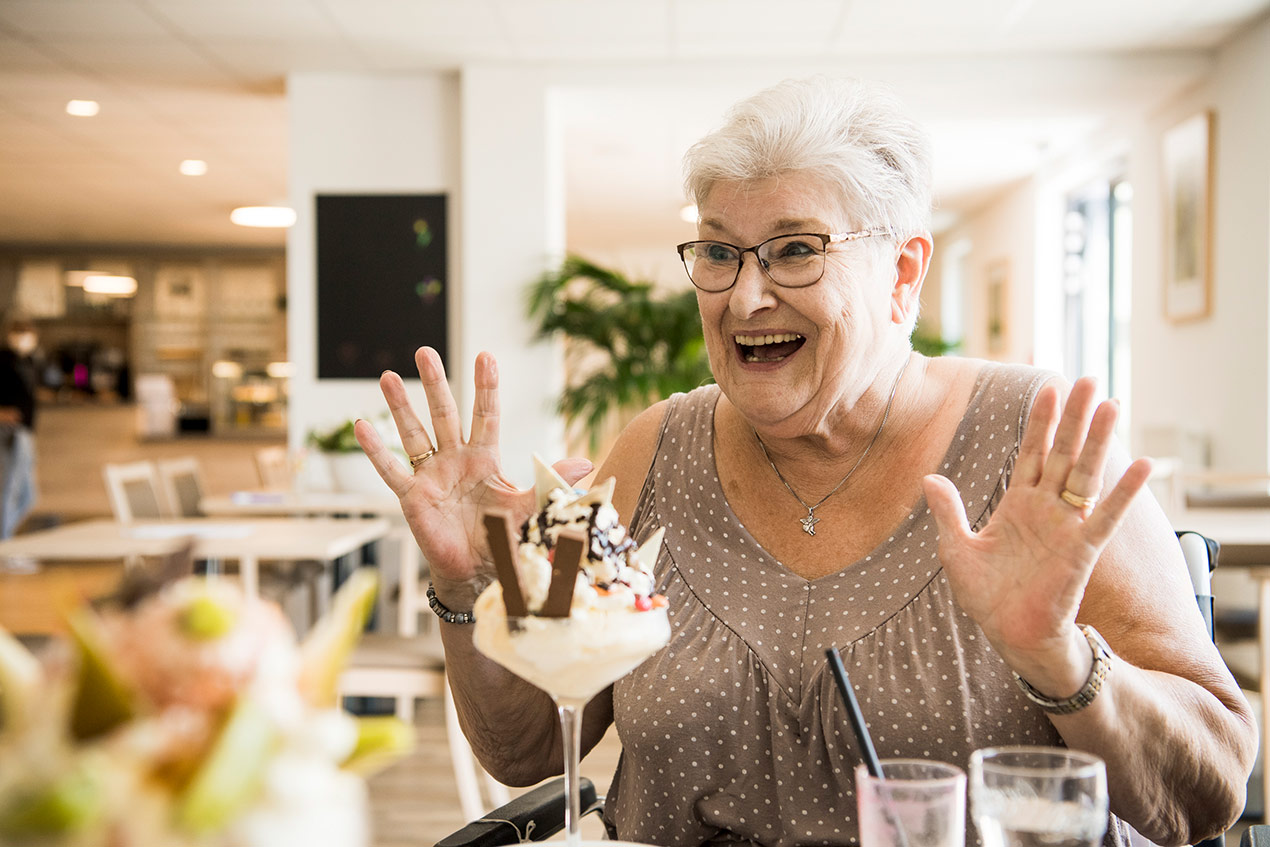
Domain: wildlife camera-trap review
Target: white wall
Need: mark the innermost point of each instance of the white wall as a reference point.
(360, 133)
(513, 220)
(1002, 235)
(383, 133)
(1213, 374)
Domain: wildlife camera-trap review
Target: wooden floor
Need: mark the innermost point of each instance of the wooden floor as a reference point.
(414, 803)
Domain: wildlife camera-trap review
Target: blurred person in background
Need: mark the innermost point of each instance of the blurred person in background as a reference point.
(19, 371)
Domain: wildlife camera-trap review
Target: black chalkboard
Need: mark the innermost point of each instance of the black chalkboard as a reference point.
(382, 282)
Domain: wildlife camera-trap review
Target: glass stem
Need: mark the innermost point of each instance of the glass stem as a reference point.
(571, 737)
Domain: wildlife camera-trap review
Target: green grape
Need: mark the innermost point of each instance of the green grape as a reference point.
(205, 619)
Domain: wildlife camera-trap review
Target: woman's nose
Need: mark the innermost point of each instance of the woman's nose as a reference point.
(752, 291)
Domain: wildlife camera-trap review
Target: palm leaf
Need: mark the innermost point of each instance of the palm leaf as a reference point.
(650, 343)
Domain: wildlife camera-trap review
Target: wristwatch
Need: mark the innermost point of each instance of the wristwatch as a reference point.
(1087, 693)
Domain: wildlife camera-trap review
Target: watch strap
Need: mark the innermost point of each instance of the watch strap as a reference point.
(1082, 698)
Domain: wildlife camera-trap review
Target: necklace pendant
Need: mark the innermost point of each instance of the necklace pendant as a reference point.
(809, 522)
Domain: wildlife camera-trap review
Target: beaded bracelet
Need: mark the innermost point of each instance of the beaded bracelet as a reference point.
(445, 614)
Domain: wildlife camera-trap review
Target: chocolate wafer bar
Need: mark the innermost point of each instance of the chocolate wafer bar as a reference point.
(502, 545)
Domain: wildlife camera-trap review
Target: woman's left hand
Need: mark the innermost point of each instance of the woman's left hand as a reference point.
(1023, 575)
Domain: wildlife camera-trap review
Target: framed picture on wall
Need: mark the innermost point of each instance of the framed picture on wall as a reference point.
(179, 291)
(382, 281)
(1188, 164)
(997, 291)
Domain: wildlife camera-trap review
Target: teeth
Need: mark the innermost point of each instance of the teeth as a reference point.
(757, 340)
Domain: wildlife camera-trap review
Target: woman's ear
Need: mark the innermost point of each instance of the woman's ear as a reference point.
(910, 272)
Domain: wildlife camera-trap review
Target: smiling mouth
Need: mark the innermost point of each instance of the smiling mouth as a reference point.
(768, 348)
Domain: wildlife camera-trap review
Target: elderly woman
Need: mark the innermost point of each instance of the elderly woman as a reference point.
(966, 534)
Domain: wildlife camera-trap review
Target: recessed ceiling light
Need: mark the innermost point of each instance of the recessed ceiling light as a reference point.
(193, 167)
(267, 216)
(82, 108)
(115, 286)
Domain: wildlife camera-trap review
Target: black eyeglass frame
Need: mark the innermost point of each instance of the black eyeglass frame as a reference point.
(825, 238)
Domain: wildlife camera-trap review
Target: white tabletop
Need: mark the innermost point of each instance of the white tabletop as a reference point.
(260, 501)
(1244, 534)
(290, 539)
(248, 541)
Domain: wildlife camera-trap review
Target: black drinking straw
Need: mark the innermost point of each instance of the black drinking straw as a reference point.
(862, 737)
(864, 740)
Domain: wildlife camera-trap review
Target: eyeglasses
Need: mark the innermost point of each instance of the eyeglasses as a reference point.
(791, 261)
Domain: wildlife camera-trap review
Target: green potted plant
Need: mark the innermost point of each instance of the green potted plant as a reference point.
(627, 344)
(348, 466)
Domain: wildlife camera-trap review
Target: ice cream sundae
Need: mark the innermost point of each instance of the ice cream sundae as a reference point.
(575, 607)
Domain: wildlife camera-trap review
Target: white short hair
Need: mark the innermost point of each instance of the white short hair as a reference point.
(854, 135)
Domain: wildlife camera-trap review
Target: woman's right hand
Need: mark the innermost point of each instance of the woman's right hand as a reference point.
(444, 495)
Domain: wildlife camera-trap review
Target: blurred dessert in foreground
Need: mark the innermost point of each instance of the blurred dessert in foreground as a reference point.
(190, 717)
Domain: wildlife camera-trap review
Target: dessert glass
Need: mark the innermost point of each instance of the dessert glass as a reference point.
(562, 657)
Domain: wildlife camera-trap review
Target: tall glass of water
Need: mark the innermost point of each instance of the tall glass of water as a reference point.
(1038, 797)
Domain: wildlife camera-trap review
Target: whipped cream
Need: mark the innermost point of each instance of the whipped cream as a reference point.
(614, 573)
(616, 619)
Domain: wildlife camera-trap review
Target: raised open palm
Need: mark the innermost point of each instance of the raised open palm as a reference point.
(451, 480)
(1022, 576)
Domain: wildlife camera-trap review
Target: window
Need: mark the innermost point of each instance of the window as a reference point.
(1097, 256)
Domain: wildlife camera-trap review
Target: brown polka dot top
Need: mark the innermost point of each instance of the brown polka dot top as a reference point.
(735, 731)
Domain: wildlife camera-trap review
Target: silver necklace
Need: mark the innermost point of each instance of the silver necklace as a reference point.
(809, 522)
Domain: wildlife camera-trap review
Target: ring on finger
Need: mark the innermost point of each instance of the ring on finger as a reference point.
(1071, 498)
(416, 461)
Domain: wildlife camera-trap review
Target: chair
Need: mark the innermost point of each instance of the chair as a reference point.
(133, 489)
(181, 481)
(1201, 555)
(533, 816)
(273, 464)
(1257, 835)
(405, 666)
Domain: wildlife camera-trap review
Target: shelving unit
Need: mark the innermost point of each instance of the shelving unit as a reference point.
(214, 323)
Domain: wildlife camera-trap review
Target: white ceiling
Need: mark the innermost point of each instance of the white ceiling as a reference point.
(1001, 84)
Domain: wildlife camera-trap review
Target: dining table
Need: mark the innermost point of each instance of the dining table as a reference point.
(248, 541)
(1244, 536)
(299, 502)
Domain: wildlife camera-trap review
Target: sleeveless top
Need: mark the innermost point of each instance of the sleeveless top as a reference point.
(735, 732)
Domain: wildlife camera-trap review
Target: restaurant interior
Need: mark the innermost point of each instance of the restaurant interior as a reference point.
(1102, 182)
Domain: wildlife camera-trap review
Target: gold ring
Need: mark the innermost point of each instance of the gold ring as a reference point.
(416, 461)
(1073, 499)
